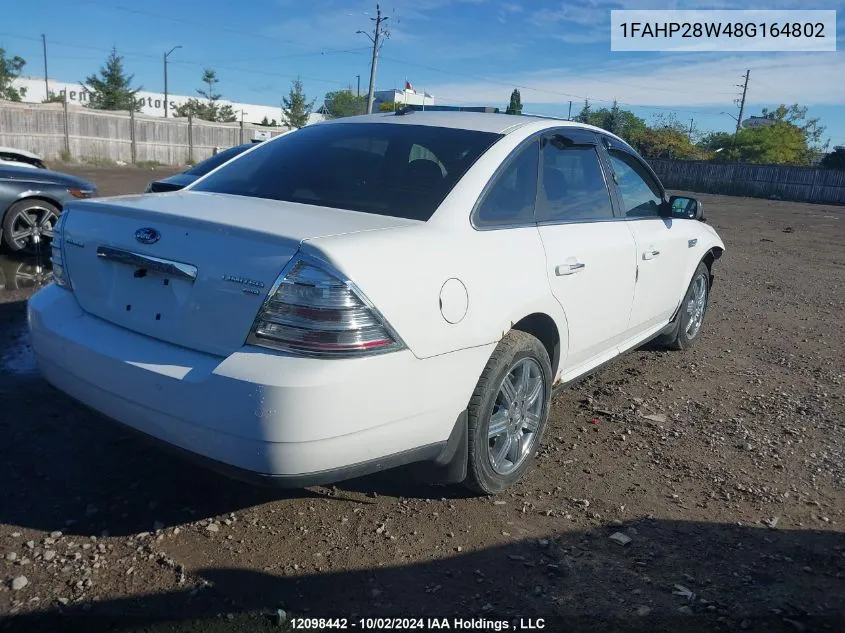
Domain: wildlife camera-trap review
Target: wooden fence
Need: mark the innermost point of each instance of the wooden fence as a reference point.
(52, 130)
(779, 182)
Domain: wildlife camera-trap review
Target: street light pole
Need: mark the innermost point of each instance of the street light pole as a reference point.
(166, 55)
(46, 84)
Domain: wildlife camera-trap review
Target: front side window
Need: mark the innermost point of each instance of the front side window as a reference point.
(641, 195)
(574, 188)
(511, 198)
(368, 167)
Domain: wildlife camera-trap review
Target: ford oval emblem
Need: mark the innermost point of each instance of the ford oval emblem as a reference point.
(147, 235)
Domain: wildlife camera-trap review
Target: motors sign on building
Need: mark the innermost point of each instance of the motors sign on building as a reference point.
(152, 103)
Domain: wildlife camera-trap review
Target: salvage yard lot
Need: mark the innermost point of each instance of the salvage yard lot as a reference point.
(723, 464)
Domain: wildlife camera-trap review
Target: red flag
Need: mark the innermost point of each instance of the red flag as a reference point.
(408, 85)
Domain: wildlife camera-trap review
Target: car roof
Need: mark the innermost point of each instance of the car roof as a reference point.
(480, 121)
(22, 152)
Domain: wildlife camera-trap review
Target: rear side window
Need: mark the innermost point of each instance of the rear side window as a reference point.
(398, 170)
(574, 188)
(511, 198)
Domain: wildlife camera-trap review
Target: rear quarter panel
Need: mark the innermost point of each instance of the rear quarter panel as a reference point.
(403, 270)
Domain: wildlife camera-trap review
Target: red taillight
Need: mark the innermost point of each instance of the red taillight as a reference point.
(314, 310)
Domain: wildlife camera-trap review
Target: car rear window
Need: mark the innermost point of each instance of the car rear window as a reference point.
(201, 169)
(402, 171)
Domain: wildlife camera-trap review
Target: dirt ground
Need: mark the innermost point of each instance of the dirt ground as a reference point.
(724, 465)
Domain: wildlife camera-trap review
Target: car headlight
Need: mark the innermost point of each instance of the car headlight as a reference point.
(82, 193)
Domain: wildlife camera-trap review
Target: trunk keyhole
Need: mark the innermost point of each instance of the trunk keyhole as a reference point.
(128, 307)
(158, 317)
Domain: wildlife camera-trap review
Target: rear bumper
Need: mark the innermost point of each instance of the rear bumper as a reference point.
(258, 414)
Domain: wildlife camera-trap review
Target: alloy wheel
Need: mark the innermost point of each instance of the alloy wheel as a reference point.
(516, 416)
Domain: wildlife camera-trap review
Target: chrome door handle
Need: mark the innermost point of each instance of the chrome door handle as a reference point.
(569, 269)
(650, 254)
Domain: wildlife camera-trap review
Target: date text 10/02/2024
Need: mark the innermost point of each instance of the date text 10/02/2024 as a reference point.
(418, 624)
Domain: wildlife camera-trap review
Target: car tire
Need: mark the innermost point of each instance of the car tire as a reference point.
(43, 214)
(503, 437)
(690, 317)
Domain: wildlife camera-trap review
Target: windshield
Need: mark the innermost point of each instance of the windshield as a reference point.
(201, 169)
(398, 170)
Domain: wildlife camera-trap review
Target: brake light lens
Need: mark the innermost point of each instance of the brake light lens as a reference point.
(313, 310)
(57, 253)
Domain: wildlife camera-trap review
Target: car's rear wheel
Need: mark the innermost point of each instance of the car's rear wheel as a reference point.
(691, 315)
(28, 223)
(507, 413)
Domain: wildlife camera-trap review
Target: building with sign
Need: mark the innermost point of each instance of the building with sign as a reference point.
(152, 103)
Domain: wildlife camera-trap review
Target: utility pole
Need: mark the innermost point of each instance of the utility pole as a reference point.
(46, 84)
(570, 111)
(374, 38)
(744, 87)
(689, 135)
(166, 55)
(359, 84)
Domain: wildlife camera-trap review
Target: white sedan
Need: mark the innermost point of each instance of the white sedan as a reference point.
(370, 292)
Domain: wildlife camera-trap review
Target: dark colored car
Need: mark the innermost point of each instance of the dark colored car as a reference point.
(185, 178)
(31, 201)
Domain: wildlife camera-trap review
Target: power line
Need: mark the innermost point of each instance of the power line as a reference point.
(181, 62)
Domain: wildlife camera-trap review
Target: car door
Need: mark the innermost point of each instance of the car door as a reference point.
(590, 253)
(660, 241)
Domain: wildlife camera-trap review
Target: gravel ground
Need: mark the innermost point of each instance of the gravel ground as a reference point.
(721, 467)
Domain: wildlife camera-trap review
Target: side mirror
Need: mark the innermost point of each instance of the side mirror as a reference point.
(685, 208)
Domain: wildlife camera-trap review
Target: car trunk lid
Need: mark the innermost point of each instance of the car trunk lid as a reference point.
(191, 268)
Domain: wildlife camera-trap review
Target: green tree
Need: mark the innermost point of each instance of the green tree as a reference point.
(667, 137)
(209, 78)
(797, 115)
(715, 141)
(343, 103)
(835, 159)
(192, 107)
(515, 105)
(586, 114)
(623, 123)
(780, 143)
(10, 69)
(387, 106)
(112, 90)
(55, 97)
(208, 108)
(295, 107)
(265, 122)
(226, 114)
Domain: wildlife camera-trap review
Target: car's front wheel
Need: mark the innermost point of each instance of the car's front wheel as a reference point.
(691, 314)
(507, 413)
(29, 222)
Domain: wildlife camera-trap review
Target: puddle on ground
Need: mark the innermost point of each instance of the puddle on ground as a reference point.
(23, 273)
(20, 277)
